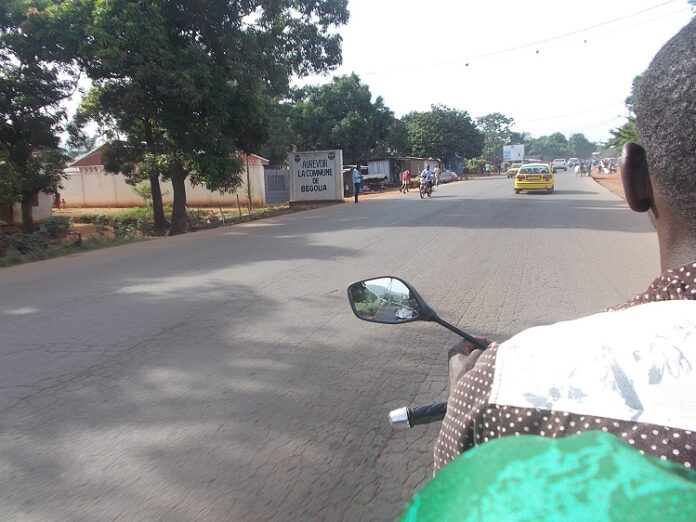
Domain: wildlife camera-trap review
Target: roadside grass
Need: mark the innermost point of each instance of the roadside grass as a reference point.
(58, 250)
(79, 215)
(196, 215)
(99, 228)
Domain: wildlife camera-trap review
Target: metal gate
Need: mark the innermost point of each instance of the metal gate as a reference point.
(277, 185)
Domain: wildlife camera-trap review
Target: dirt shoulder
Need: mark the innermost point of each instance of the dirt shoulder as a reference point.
(611, 182)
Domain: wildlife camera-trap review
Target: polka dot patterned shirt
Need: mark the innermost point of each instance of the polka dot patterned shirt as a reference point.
(471, 420)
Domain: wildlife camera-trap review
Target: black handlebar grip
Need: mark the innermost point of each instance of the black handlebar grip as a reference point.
(427, 414)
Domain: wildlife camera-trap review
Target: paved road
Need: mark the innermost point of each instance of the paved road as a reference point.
(221, 375)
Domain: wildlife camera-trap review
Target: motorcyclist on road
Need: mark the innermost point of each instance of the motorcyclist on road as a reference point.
(631, 371)
(427, 177)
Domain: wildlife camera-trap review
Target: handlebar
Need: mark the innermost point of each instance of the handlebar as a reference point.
(405, 418)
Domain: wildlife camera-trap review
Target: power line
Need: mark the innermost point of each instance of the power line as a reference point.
(631, 26)
(577, 31)
(530, 44)
(575, 113)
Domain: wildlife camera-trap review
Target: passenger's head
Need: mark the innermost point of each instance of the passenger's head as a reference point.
(661, 176)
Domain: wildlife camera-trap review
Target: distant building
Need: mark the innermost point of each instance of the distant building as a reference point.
(388, 169)
(89, 185)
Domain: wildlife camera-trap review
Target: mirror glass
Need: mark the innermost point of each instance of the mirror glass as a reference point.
(384, 300)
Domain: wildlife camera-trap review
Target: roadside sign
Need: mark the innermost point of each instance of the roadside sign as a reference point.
(513, 152)
(316, 175)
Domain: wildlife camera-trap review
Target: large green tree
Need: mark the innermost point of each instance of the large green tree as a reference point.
(580, 147)
(34, 81)
(395, 143)
(200, 77)
(548, 147)
(443, 133)
(519, 138)
(280, 137)
(496, 133)
(340, 115)
(9, 183)
(627, 132)
(136, 146)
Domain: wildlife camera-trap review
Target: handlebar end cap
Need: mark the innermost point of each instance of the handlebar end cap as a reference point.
(399, 419)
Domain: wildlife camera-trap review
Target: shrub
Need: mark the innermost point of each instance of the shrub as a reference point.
(100, 223)
(84, 218)
(144, 190)
(55, 227)
(123, 230)
(134, 215)
(14, 245)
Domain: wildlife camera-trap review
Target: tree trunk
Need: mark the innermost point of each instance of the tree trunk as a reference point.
(157, 206)
(27, 216)
(178, 178)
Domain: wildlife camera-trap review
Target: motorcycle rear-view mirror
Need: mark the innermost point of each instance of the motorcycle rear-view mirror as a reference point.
(387, 300)
(391, 300)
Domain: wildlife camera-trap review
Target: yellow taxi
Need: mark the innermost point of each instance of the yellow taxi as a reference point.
(513, 169)
(534, 176)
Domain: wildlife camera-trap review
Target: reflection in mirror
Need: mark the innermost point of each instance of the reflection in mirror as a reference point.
(384, 300)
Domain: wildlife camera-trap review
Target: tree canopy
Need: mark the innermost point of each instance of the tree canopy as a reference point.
(496, 133)
(340, 115)
(34, 80)
(580, 147)
(548, 147)
(443, 133)
(627, 132)
(193, 90)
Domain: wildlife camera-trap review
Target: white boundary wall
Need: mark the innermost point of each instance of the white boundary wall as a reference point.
(92, 186)
(38, 213)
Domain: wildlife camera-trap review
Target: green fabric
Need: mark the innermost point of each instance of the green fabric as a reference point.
(592, 476)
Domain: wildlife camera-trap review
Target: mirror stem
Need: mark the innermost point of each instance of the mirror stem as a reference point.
(473, 340)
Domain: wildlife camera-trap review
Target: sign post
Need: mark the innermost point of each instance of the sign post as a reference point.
(514, 153)
(316, 176)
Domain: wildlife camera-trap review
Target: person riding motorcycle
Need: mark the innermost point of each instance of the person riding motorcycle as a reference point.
(427, 177)
(630, 371)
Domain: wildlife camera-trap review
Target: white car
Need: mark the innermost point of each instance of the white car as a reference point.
(573, 162)
(448, 176)
(559, 164)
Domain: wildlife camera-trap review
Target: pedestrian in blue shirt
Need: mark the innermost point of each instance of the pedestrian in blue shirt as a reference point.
(357, 181)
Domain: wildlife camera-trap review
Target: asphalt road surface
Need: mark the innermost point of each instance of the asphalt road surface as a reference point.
(222, 376)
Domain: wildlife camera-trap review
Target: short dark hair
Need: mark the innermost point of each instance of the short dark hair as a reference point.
(666, 121)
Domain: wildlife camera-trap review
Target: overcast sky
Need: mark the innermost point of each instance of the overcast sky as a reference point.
(414, 53)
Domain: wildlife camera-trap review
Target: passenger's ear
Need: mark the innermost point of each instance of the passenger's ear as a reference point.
(636, 178)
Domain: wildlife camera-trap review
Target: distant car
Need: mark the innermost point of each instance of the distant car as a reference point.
(534, 176)
(573, 162)
(559, 164)
(447, 176)
(513, 169)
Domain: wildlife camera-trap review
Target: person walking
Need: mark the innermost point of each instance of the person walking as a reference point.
(405, 180)
(436, 174)
(357, 181)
